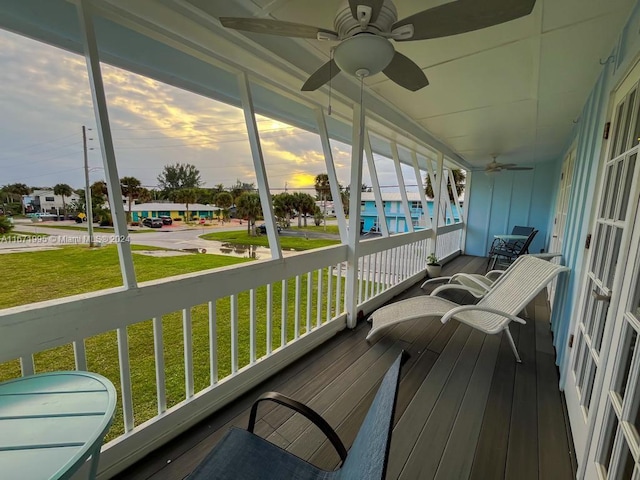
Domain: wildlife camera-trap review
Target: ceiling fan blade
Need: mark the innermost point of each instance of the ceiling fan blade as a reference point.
(406, 73)
(518, 168)
(375, 5)
(463, 16)
(321, 76)
(273, 27)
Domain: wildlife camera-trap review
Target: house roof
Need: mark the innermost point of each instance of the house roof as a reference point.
(159, 206)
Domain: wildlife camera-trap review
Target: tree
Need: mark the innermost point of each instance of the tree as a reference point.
(297, 200)
(308, 206)
(459, 179)
(241, 187)
(63, 190)
(16, 191)
(5, 225)
(323, 188)
(186, 196)
(249, 207)
(177, 177)
(131, 189)
(224, 200)
(283, 206)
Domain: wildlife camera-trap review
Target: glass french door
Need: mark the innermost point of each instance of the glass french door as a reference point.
(602, 284)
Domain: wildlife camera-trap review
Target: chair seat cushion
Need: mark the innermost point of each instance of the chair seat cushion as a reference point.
(241, 455)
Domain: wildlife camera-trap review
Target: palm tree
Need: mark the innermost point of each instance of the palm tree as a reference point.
(63, 190)
(186, 196)
(283, 205)
(17, 191)
(459, 177)
(224, 200)
(249, 207)
(297, 201)
(308, 206)
(131, 189)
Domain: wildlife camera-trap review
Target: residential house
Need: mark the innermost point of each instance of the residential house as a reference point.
(173, 210)
(554, 93)
(45, 201)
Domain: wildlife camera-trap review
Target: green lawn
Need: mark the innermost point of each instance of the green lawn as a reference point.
(288, 243)
(15, 233)
(333, 229)
(43, 275)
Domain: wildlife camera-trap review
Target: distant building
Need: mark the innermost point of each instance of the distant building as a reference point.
(173, 210)
(394, 212)
(45, 201)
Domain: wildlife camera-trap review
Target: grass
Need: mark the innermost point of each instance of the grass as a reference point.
(241, 237)
(15, 233)
(42, 275)
(332, 229)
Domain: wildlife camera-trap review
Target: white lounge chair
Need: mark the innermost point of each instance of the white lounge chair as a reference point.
(474, 283)
(508, 296)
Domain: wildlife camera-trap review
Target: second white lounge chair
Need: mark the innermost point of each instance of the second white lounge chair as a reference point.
(500, 305)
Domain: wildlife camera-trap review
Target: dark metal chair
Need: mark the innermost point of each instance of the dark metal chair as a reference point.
(506, 254)
(242, 455)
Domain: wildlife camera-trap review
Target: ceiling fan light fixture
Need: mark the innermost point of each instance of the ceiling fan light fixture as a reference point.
(364, 52)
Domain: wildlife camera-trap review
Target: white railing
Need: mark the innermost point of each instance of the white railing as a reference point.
(449, 240)
(232, 327)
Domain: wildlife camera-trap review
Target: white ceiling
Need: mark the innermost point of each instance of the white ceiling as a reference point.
(514, 89)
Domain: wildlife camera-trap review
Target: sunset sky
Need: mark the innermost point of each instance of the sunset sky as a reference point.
(45, 100)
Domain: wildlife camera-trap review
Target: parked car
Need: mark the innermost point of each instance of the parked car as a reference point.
(166, 220)
(263, 229)
(152, 222)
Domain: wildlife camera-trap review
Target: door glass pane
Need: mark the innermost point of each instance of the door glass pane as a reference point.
(595, 244)
(588, 386)
(616, 134)
(577, 367)
(615, 253)
(627, 186)
(635, 411)
(627, 123)
(628, 347)
(589, 311)
(606, 195)
(635, 306)
(604, 250)
(609, 437)
(628, 462)
(615, 188)
(602, 309)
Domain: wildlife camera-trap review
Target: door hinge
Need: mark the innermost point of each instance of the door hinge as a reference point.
(607, 126)
(571, 341)
(587, 243)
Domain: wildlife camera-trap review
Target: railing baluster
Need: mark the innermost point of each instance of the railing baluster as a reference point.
(188, 351)
(319, 300)
(125, 378)
(213, 342)
(80, 354)
(329, 292)
(360, 278)
(158, 351)
(372, 275)
(384, 269)
(296, 332)
(269, 318)
(367, 286)
(27, 366)
(309, 299)
(233, 300)
(252, 325)
(284, 312)
(339, 289)
(378, 272)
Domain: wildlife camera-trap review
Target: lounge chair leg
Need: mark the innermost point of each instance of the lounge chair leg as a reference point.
(513, 345)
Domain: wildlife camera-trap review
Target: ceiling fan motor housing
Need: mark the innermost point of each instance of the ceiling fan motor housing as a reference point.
(347, 26)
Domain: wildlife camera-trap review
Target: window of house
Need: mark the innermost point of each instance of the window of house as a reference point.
(49, 199)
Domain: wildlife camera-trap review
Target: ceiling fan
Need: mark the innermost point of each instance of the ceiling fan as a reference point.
(494, 166)
(365, 29)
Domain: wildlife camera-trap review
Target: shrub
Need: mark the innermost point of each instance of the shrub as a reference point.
(5, 225)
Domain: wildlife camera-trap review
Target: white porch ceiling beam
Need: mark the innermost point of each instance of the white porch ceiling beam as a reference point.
(375, 185)
(331, 173)
(258, 164)
(351, 286)
(106, 144)
(402, 186)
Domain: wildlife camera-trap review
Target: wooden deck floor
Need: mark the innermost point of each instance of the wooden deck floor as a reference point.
(465, 409)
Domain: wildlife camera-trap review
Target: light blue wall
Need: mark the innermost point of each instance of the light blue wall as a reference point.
(588, 139)
(516, 197)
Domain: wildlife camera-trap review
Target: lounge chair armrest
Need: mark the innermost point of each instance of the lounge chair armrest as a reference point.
(435, 280)
(464, 308)
(301, 408)
(494, 274)
(476, 292)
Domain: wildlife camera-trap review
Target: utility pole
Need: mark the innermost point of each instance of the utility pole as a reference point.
(87, 188)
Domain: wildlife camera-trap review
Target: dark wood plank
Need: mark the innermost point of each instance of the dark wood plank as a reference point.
(522, 453)
(553, 444)
(491, 451)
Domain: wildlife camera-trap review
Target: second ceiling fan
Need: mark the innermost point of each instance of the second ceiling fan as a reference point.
(365, 29)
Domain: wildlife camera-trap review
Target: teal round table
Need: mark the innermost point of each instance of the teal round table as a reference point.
(52, 422)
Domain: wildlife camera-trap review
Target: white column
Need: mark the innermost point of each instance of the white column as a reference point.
(402, 186)
(331, 173)
(351, 285)
(106, 145)
(423, 195)
(258, 165)
(465, 208)
(375, 185)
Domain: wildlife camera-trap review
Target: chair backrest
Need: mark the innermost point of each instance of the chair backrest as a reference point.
(519, 230)
(520, 283)
(524, 248)
(370, 451)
